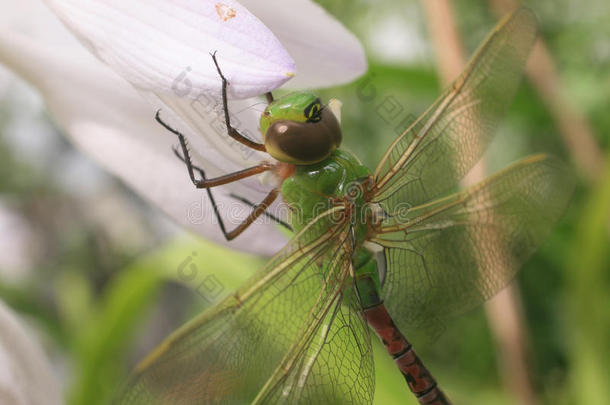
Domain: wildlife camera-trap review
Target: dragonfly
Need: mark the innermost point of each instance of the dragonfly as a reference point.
(383, 251)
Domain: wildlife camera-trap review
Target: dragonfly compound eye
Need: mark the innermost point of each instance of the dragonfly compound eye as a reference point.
(304, 143)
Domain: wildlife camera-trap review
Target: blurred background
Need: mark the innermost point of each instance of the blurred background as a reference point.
(96, 271)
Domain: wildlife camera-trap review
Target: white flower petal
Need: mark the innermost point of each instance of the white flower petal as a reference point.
(19, 245)
(25, 373)
(325, 52)
(201, 120)
(98, 110)
(152, 43)
(329, 55)
(167, 184)
(108, 120)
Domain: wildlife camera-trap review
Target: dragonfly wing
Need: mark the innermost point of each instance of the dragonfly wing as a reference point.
(230, 353)
(431, 156)
(332, 364)
(448, 256)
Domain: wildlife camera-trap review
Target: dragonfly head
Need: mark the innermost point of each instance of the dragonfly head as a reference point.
(298, 129)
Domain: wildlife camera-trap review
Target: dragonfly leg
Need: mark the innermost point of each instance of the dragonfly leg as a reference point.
(232, 132)
(258, 210)
(217, 181)
(204, 182)
(232, 195)
(267, 214)
(235, 176)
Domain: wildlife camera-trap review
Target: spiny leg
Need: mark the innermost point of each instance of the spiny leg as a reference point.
(218, 181)
(209, 191)
(233, 133)
(266, 213)
(257, 210)
(232, 195)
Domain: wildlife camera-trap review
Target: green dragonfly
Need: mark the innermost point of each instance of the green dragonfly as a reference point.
(299, 330)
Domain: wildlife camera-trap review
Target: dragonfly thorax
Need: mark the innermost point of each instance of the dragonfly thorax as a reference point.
(299, 130)
(313, 189)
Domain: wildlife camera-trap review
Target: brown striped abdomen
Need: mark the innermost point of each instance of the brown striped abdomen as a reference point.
(419, 379)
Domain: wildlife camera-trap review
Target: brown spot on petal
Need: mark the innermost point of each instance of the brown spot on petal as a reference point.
(225, 12)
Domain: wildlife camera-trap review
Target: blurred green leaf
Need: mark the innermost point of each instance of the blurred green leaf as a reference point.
(587, 298)
(391, 388)
(75, 306)
(102, 342)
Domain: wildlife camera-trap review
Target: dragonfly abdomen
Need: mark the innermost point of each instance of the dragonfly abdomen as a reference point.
(419, 379)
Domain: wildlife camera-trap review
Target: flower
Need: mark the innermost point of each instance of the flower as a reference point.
(163, 50)
(25, 373)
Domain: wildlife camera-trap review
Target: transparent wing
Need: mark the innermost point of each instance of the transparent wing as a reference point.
(448, 256)
(439, 148)
(230, 354)
(332, 364)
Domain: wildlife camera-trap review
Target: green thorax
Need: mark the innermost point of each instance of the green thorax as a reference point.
(309, 192)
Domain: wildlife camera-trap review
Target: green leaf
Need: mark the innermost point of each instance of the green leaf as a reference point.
(588, 303)
(103, 341)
